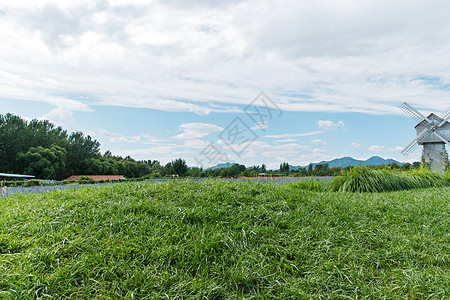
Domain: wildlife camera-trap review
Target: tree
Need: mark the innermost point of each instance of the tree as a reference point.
(80, 149)
(18, 136)
(406, 167)
(393, 166)
(42, 162)
(284, 168)
(310, 169)
(19, 152)
(195, 172)
(321, 169)
(180, 167)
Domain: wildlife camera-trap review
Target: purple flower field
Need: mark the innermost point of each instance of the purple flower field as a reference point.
(41, 189)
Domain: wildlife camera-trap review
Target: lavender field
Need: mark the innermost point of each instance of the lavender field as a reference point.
(40, 189)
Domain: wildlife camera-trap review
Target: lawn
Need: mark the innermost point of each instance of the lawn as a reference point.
(224, 240)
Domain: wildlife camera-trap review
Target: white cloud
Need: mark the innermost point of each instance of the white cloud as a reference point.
(273, 152)
(378, 148)
(291, 135)
(211, 55)
(320, 151)
(329, 124)
(61, 117)
(286, 141)
(355, 145)
(318, 142)
(260, 126)
(115, 137)
(196, 130)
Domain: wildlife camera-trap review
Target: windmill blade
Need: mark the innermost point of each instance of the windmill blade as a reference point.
(445, 116)
(444, 139)
(415, 142)
(412, 112)
(410, 148)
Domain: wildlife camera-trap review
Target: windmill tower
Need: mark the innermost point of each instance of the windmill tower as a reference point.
(433, 132)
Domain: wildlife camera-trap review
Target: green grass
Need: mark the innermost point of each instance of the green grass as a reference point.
(363, 179)
(224, 240)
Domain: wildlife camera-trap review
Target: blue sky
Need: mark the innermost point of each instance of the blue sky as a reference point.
(168, 79)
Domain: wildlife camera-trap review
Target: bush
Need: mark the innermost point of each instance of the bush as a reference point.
(311, 185)
(32, 182)
(11, 183)
(85, 180)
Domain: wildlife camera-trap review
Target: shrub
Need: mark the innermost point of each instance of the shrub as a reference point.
(311, 185)
(85, 180)
(32, 182)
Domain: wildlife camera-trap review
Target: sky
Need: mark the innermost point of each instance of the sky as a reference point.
(246, 81)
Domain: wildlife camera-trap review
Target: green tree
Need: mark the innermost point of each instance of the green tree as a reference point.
(196, 172)
(80, 149)
(44, 163)
(321, 169)
(18, 136)
(310, 169)
(179, 167)
(284, 168)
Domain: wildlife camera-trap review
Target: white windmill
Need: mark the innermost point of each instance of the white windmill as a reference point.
(433, 132)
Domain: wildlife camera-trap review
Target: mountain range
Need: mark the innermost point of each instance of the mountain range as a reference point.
(343, 162)
(349, 161)
(221, 166)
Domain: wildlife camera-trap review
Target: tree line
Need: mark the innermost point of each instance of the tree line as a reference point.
(40, 148)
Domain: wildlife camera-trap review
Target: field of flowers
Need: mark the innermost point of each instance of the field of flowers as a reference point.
(217, 239)
(46, 188)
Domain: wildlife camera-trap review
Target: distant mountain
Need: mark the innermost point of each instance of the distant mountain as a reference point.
(349, 161)
(344, 161)
(220, 166)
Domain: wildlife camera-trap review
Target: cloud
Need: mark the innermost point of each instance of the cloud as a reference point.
(274, 152)
(115, 137)
(196, 130)
(329, 124)
(318, 142)
(213, 56)
(323, 125)
(164, 153)
(291, 135)
(260, 126)
(378, 148)
(61, 117)
(355, 145)
(319, 151)
(286, 141)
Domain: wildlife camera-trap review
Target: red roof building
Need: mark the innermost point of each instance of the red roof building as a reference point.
(96, 177)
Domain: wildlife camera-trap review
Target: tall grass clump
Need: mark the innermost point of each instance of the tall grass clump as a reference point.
(311, 184)
(362, 180)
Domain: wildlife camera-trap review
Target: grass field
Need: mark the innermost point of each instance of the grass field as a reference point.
(224, 240)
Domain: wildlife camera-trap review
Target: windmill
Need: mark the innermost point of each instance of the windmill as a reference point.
(433, 132)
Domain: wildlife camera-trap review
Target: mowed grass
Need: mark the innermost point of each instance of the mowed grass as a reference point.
(224, 240)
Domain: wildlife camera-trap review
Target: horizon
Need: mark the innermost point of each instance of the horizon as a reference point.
(165, 79)
(313, 163)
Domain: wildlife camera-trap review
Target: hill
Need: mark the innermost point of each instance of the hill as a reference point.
(344, 162)
(222, 165)
(349, 161)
